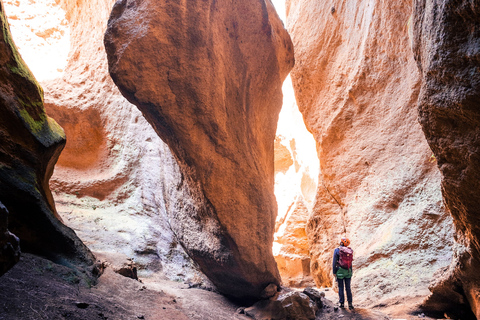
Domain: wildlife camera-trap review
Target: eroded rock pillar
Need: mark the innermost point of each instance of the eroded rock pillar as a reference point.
(207, 75)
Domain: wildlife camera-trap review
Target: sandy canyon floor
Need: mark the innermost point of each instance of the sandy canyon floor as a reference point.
(40, 289)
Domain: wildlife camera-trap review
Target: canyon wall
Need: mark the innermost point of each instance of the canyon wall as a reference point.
(30, 143)
(111, 180)
(207, 76)
(356, 82)
(296, 175)
(447, 49)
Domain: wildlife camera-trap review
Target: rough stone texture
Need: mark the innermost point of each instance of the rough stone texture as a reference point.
(298, 306)
(296, 176)
(111, 179)
(293, 254)
(9, 243)
(266, 309)
(207, 76)
(357, 83)
(315, 295)
(30, 143)
(288, 306)
(447, 49)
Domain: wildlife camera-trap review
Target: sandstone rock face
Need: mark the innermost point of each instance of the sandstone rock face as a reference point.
(293, 258)
(30, 143)
(446, 46)
(109, 180)
(208, 77)
(9, 243)
(296, 178)
(357, 83)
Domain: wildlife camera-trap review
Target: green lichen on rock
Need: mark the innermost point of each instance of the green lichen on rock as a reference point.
(46, 130)
(30, 145)
(30, 108)
(35, 126)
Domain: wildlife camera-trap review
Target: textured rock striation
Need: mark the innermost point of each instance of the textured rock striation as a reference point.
(447, 49)
(208, 77)
(9, 243)
(356, 82)
(293, 258)
(30, 143)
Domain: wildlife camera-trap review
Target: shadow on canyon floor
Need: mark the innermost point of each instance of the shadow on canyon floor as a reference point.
(40, 289)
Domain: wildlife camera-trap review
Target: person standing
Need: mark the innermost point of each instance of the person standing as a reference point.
(342, 269)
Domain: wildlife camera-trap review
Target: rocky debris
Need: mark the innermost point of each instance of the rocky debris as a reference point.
(9, 243)
(269, 291)
(130, 271)
(266, 309)
(30, 143)
(119, 263)
(208, 76)
(288, 306)
(356, 82)
(298, 306)
(315, 295)
(446, 37)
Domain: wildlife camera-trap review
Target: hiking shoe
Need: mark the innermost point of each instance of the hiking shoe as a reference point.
(350, 306)
(342, 306)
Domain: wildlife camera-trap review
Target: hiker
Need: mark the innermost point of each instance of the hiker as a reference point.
(342, 269)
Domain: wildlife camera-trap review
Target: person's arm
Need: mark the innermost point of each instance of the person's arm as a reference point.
(335, 260)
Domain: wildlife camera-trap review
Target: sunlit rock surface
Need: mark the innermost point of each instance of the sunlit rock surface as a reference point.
(207, 76)
(30, 143)
(291, 248)
(356, 84)
(42, 35)
(447, 49)
(296, 176)
(110, 180)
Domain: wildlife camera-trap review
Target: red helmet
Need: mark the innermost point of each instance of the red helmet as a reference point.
(345, 242)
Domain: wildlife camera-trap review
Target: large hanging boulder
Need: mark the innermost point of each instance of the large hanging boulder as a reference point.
(207, 75)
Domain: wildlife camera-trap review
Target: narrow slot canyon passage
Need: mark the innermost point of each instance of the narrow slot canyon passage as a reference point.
(203, 159)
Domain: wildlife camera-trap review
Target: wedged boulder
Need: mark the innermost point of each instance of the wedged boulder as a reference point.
(207, 76)
(30, 143)
(356, 82)
(9, 243)
(447, 50)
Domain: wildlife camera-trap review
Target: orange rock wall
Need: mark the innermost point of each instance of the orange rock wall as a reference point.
(356, 84)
